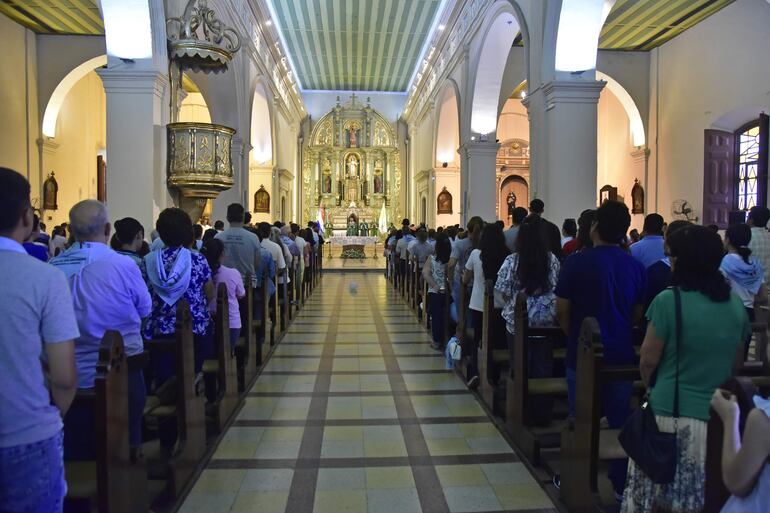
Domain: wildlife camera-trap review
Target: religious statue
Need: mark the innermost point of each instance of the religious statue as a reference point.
(353, 139)
(378, 184)
(511, 203)
(327, 189)
(637, 198)
(50, 193)
(444, 202)
(352, 166)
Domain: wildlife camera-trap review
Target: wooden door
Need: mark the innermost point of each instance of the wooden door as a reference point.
(718, 177)
(101, 179)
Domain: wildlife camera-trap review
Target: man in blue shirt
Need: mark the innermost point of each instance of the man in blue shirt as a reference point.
(608, 284)
(650, 249)
(38, 323)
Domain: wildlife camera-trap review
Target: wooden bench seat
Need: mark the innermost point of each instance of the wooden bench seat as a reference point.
(112, 482)
(547, 386)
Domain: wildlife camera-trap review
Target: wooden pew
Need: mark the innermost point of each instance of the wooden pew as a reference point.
(246, 349)
(584, 444)
(223, 368)
(716, 493)
(186, 409)
(425, 308)
(282, 296)
(414, 295)
(525, 391)
(299, 299)
(111, 483)
(492, 356)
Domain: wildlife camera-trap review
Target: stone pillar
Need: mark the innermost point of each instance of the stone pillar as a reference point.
(136, 143)
(563, 164)
(478, 177)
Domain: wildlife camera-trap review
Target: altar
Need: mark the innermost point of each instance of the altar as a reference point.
(353, 246)
(351, 168)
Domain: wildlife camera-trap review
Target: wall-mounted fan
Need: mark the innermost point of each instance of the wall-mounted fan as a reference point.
(682, 210)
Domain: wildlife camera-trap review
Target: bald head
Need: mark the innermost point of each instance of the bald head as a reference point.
(89, 222)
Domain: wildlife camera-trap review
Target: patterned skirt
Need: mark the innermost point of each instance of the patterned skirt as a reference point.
(686, 493)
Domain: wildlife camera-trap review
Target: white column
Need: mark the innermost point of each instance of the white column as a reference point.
(564, 166)
(477, 187)
(136, 143)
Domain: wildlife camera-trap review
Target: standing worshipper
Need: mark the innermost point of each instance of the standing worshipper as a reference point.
(198, 235)
(608, 284)
(551, 232)
(518, 216)
(109, 294)
(743, 270)
(569, 231)
(650, 249)
(128, 239)
(421, 248)
(760, 237)
(34, 248)
(434, 273)
(244, 253)
(38, 322)
(659, 273)
(214, 251)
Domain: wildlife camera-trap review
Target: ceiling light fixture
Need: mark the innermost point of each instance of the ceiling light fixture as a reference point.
(286, 47)
(441, 27)
(269, 23)
(428, 39)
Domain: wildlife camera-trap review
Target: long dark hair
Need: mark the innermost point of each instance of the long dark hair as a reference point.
(493, 250)
(212, 249)
(739, 236)
(698, 253)
(534, 257)
(443, 247)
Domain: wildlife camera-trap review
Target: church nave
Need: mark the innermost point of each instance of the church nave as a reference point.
(355, 413)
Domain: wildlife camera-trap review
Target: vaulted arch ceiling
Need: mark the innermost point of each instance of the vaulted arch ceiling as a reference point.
(370, 45)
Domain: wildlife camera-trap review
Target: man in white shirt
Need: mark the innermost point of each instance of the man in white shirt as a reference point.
(109, 293)
(264, 230)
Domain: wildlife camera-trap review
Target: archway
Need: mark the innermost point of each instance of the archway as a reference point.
(446, 158)
(488, 77)
(261, 140)
(52, 109)
(516, 186)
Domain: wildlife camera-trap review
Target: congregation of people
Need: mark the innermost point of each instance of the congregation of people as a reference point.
(63, 292)
(629, 282)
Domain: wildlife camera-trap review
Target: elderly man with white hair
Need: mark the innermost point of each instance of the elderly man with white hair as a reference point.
(108, 294)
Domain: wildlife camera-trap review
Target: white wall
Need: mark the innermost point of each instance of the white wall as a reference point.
(81, 135)
(390, 105)
(719, 66)
(194, 109)
(18, 103)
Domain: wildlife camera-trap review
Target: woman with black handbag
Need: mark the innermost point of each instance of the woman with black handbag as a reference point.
(694, 339)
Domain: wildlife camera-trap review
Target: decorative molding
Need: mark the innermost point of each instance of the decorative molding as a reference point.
(471, 149)
(48, 145)
(571, 91)
(133, 81)
(640, 155)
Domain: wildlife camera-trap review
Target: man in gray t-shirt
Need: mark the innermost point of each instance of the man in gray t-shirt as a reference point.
(242, 249)
(38, 321)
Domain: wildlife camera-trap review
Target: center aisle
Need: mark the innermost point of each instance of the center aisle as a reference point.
(354, 413)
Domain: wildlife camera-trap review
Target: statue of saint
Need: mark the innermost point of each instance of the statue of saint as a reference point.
(353, 138)
(352, 166)
(364, 229)
(511, 203)
(327, 184)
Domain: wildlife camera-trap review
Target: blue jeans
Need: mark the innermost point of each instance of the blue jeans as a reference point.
(32, 477)
(234, 334)
(616, 408)
(436, 309)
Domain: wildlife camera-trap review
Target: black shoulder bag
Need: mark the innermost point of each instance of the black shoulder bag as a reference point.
(653, 451)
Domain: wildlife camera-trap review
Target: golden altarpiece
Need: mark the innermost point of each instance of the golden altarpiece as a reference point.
(351, 167)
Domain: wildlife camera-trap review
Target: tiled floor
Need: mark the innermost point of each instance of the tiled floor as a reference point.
(355, 413)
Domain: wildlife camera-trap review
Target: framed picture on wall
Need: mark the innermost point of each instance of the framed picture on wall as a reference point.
(262, 201)
(608, 192)
(444, 202)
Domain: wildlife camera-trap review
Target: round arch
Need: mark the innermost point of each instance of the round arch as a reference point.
(447, 127)
(577, 38)
(261, 133)
(629, 105)
(56, 100)
(500, 30)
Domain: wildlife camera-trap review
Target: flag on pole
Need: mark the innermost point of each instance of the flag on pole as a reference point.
(383, 227)
(321, 216)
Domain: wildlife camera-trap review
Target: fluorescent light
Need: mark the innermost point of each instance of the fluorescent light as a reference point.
(269, 23)
(433, 27)
(127, 29)
(273, 16)
(442, 27)
(523, 94)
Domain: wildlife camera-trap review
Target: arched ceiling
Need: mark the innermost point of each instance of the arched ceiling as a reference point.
(355, 45)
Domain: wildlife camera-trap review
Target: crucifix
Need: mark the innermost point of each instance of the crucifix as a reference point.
(353, 98)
